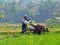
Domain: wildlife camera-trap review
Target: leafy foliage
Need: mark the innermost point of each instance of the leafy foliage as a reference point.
(39, 11)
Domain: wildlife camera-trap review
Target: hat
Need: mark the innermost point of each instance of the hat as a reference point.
(25, 15)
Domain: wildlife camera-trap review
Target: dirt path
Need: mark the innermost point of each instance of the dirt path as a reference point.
(54, 30)
(10, 30)
(20, 31)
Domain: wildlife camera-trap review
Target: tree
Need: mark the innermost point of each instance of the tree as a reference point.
(57, 14)
(1, 14)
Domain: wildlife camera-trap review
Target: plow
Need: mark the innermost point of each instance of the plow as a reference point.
(38, 28)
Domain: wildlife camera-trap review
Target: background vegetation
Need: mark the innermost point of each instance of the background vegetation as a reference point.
(41, 11)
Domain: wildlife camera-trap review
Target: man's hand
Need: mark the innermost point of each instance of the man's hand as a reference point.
(31, 22)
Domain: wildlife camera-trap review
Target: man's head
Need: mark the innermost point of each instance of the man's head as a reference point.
(25, 17)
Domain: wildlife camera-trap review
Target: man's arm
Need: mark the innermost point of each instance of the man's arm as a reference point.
(32, 25)
(26, 22)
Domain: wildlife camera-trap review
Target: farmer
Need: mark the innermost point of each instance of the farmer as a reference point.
(24, 24)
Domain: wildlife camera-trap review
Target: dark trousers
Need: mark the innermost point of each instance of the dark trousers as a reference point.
(24, 27)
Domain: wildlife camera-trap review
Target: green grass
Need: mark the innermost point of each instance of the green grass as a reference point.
(30, 39)
(51, 38)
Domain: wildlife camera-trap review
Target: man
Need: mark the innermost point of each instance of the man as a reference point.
(24, 24)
